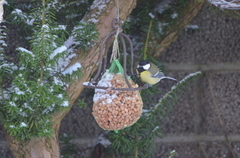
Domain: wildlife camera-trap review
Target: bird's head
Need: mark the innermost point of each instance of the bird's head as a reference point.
(143, 65)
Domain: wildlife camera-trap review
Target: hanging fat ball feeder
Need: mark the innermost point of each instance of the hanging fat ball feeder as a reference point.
(117, 101)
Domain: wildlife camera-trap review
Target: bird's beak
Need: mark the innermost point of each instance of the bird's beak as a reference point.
(167, 77)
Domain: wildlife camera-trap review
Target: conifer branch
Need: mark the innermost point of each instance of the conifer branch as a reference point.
(170, 95)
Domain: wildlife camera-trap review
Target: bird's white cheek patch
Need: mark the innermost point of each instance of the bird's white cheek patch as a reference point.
(147, 66)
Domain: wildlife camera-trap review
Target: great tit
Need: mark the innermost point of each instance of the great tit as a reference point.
(150, 73)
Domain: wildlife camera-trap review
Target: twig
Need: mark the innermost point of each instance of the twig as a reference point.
(204, 152)
(136, 149)
(221, 121)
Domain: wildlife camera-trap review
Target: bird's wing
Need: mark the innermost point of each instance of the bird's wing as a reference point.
(159, 74)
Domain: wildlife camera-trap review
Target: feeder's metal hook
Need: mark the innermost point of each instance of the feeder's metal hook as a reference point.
(116, 25)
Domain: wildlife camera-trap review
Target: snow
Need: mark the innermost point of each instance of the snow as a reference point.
(145, 110)
(57, 81)
(104, 141)
(185, 78)
(2, 42)
(72, 68)
(56, 5)
(175, 87)
(46, 111)
(65, 103)
(85, 83)
(25, 105)
(60, 27)
(172, 151)
(160, 27)
(17, 11)
(93, 20)
(101, 93)
(30, 21)
(23, 124)
(156, 128)
(63, 62)
(105, 80)
(12, 103)
(174, 15)
(45, 27)
(107, 96)
(18, 91)
(234, 4)
(8, 65)
(101, 6)
(162, 6)
(69, 46)
(25, 51)
(60, 96)
(151, 15)
(69, 42)
(58, 51)
(191, 27)
(23, 114)
(12, 126)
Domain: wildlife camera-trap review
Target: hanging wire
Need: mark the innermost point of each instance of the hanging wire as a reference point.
(116, 25)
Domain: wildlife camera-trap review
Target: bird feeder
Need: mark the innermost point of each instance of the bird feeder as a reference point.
(117, 101)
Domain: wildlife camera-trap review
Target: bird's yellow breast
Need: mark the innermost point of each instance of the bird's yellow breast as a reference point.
(146, 76)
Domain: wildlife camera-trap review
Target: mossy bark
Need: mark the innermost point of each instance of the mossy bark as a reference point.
(49, 147)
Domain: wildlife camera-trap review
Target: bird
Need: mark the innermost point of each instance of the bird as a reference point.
(150, 73)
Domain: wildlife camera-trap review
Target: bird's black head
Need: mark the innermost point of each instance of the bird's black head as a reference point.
(143, 62)
(143, 65)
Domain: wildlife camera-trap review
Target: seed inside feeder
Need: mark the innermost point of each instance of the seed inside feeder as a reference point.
(114, 110)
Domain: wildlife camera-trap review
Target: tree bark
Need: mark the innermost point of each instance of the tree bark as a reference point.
(48, 147)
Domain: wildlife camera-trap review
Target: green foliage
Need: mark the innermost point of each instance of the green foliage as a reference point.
(139, 138)
(171, 96)
(81, 103)
(36, 85)
(85, 34)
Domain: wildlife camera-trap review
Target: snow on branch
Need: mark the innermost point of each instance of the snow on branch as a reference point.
(174, 89)
(1, 10)
(226, 4)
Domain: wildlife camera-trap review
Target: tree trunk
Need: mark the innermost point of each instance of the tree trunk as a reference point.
(35, 148)
(48, 147)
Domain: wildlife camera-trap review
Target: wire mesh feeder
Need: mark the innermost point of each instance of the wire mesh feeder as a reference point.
(117, 101)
